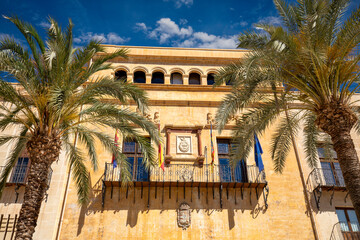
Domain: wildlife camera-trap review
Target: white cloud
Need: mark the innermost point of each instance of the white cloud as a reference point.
(141, 27)
(44, 24)
(167, 31)
(271, 20)
(180, 3)
(111, 38)
(5, 35)
(204, 40)
(183, 21)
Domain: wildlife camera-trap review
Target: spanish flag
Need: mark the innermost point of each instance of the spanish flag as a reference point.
(161, 154)
(113, 161)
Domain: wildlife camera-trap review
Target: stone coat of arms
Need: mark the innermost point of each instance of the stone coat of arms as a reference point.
(184, 216)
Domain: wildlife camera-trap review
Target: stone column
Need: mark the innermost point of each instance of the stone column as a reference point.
(148, 78)
(167, 155)
(203, 80)
(201, 157)
(185, 79)
(130, 77)
(167, 79)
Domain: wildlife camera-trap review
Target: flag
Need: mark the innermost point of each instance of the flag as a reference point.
(161, 154)
(212, 146)
(113, 161)
(257, 153)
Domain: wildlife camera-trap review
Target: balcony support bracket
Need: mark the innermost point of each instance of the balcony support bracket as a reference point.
(127, 190)
(266, 189)
(155, 190)
(170, 190)
(162, 198)
(191, 189)
(241, 190)
(17, 193)
(317, 195)
(332, 195)
(112, 189)
(134, 194)
(142, 190)
(220, 195)
(256, 191)
(250, 194)
(235, 191)
(346, 196)
(227, 191)
(103, 191)
(199, 191)
(148, 204)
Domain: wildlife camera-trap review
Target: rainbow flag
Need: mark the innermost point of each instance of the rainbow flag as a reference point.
(161, 154)
(113, 161)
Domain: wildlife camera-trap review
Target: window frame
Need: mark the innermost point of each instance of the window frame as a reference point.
(348, 222)
(333, 169)
(136, 155)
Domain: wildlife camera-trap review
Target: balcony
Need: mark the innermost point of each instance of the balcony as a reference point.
(189, 175)
(221, 177)
(19, 175)
(327, 178)
(341, 231)
(321, 179)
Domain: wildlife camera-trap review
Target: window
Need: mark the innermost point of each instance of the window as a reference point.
(20, 171)
(194, 79)
(330, 167)
(121, 75)
(157, 78)
(139, 77)
(210, 79)
(176, 78)
(349, 223)
(135, 158)
(228, 173)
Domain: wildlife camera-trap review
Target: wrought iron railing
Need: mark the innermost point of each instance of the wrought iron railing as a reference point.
(326, 177)
(189, 173)
(19, 175)
(341, 231)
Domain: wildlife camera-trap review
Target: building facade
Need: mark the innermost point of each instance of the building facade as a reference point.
(191, 198)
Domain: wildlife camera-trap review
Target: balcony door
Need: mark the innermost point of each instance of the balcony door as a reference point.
(135, 158)
(226, 171)
(349, 223)
(330, 168)
(20, 171)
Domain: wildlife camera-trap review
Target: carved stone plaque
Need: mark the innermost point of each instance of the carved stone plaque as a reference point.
(184, 216)
(183, 145)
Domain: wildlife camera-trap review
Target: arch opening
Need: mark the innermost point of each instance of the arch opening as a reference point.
(157, 78)
(176, 78)
(210, 79)
(121, 75)
(194, 79)
(139, 77)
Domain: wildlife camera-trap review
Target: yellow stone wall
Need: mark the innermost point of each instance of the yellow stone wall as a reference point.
(130, 218)
(50, 209)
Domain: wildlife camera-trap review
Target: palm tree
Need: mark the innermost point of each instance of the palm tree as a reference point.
(310, 73)
(52, 103)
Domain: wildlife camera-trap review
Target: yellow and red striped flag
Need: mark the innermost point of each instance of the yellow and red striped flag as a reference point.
(113, 161)
(161, 154)
(212, 148)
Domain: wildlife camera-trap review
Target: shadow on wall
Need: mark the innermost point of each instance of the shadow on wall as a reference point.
(13, 194)
(141, 200)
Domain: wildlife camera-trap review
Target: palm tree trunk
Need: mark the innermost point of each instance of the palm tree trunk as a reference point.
(350, 166)
(43, 152)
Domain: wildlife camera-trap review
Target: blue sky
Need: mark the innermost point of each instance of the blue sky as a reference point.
(175, 23)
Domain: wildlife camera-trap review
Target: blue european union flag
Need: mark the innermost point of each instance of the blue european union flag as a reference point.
(258, 151)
